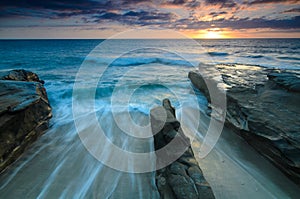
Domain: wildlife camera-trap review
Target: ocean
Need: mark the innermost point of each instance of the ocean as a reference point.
(58, 61)
(94, 84)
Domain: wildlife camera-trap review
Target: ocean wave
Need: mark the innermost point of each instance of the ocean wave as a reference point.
(289, 58)
(134, 61)
(218, 53)
(255, 56)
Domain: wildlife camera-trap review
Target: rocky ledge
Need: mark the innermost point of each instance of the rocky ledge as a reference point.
(263, 107)
(179, 175)
(24, 113)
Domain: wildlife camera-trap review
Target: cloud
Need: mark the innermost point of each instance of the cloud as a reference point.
(65, 8)
(246, 23)
(292, 23)
(293, 10)
(178, 2)
(238, 24)
(62, 5)
(215, 14)
(222, 3)
(136, 17)
(54, 8)
(133, 1)
(272, 1)
(143, 13)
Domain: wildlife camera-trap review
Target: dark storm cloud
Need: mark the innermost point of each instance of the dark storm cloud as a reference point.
(222, 3)
(272, 1)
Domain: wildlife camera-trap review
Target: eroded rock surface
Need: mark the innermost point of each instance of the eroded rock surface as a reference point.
(24, 113)
(263, 106)
(183, 178)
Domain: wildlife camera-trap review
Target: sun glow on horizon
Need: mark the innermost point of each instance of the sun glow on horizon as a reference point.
(213, 35)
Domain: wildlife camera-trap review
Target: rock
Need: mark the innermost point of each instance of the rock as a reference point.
(287, 80)
(24, 113)
(182, 187)
(182, 178)
(22, 75)
(199, 83)
(263, 107)
(203, 82)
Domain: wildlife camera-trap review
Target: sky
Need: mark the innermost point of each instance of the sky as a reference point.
(38, 19)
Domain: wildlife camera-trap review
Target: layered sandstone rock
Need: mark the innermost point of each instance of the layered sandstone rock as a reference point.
(263, 107)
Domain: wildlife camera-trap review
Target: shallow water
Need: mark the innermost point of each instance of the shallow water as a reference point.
(59, 166)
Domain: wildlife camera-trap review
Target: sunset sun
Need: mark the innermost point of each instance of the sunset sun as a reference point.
(213, 35)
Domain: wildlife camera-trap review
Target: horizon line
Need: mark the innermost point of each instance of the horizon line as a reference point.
(149, 38)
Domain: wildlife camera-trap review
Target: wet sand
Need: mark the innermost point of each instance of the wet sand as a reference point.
(235, 170)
